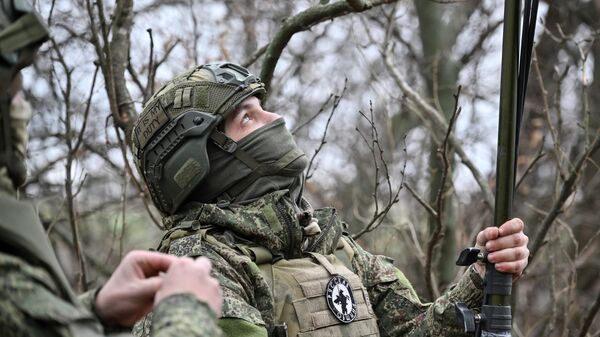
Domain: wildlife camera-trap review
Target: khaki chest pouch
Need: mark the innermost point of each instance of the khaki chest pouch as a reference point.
(299, 290)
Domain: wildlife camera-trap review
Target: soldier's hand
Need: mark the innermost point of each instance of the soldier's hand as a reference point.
(192, 276)
(129, 293)
(506, 246)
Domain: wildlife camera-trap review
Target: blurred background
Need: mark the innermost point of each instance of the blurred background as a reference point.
(372, 96)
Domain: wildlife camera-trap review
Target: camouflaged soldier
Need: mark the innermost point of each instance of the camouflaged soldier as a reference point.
(229, 177)
(35, 297)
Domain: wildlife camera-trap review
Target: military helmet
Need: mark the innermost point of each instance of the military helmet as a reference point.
(169, 140)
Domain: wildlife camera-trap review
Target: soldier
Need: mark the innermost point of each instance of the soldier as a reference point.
(35, 297)
(228, 177)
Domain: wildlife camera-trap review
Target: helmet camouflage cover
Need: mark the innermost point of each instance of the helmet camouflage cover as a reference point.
(169, 140)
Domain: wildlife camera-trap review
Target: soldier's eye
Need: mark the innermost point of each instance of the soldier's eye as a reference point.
(245, 119)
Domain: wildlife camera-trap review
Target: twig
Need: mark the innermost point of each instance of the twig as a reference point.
(546, 109)
(539, 155)
(439, 124)
(421, 201)
(300, 22)
(151, 70)
(123, 147)
(49, 21)
(437, 233)
(257, 54)
(375, 146)
(336, 102)
(195, 30)
(589, 319)
(312, 118)
(490, 29)
(567, 189)
(86, 112)
(72, 151)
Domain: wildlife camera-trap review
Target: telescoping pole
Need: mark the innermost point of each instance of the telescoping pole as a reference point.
(498, 286)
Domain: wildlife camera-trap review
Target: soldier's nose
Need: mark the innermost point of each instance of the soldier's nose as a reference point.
(268, 117)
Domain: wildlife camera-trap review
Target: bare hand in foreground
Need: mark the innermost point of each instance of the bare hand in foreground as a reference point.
(192, 276)
(129, 293)
(506, 246)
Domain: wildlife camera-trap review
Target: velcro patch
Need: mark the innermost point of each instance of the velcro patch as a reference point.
(188, 171)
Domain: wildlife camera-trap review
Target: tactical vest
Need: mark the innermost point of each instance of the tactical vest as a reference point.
(22, 235)
(306, 304)
(312, 289)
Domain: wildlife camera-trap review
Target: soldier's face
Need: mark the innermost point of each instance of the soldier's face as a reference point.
(247, 117)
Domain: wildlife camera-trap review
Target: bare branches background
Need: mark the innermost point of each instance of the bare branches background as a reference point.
(389, 69)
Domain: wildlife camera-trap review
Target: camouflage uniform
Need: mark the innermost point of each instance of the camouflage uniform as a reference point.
(35, 299)
(235, 238)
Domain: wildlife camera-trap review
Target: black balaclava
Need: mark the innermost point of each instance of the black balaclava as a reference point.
(282, 166)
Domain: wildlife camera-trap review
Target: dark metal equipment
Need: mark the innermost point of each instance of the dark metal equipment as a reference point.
(495, 318)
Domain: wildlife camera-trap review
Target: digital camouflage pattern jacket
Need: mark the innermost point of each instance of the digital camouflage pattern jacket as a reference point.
(234, 238)
(35, 299)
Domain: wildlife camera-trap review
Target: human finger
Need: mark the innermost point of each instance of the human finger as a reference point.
(148, 287)
(486, 235)
(508, 255)
(515, 267)
(150, 263)
(505, 242)
(511, 226)
(203, 263)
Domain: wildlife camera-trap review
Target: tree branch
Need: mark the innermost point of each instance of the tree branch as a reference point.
(440, 125)
(567, 189)
(301, 22)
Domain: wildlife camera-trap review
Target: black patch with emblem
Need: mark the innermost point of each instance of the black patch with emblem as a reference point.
(340, 299)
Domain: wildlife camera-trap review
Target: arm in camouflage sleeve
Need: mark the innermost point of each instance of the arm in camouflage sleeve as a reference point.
(396, 304)
(30, 304)
(184, 315)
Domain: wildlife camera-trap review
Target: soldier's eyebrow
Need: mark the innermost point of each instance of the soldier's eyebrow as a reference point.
(245, 105)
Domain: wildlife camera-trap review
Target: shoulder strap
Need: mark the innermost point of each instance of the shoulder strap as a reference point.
(344, 253)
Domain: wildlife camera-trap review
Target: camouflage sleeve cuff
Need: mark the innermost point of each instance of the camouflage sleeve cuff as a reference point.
(88, 299)
(469, 289)
(184, 315)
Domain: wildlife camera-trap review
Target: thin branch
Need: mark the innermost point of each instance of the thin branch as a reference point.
(567, 189)
(336, 102)
(546, 109)
(539, 155)
(151, 70)
(301, 22)
(375, 146)
(134, 76)
(468, 56)
(70, 197)
(589, 319)
(440, 125)
(254, 57)
(313, 117)
(86, 112)
(437, 233)
(421, 201)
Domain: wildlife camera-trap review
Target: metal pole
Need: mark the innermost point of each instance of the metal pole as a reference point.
(498, 286)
